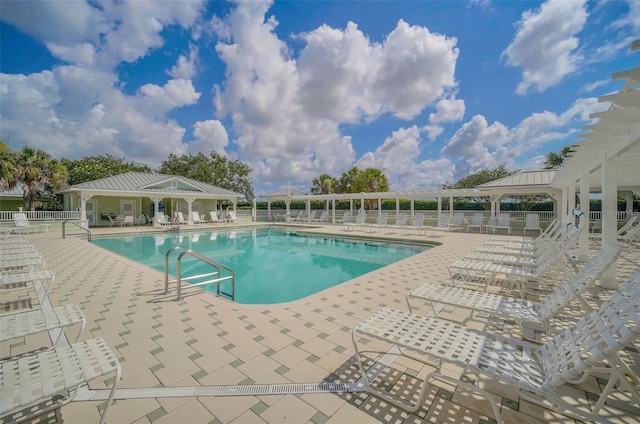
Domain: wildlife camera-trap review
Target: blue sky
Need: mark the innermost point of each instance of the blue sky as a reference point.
(427, 91)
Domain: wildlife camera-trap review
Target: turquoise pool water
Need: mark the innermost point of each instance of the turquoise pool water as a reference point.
(270, 266)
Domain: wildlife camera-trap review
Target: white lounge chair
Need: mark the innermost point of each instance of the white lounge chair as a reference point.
(300, 216)
(417, 224)
(28, 381)
(399, 224)
(22, 224)
(535, 371)
(161, 219)
(195, 217)
(346, 217)
(26, 280)
(323, 217)
(358, 223)
(504, 223)
(517, 276)
(628, 226)
(128, 220)
(458, 221)
(181, 219)
(526, 313)
(232, 217)
(27, 323)
(214, 219)
(443, 224)
(477, 220)
(381, 222)
(532, 223)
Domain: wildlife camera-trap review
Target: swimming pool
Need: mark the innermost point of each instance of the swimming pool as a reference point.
(270, 265)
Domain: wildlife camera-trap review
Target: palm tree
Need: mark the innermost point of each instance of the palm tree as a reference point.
(38, 173)
(324, 184)
(7, 165)
(555, 160)
(370, 180)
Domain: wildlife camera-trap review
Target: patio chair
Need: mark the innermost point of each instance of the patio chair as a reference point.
(161, 219)
(143, 219)
(399, 224)
(554, 233)
(632, 237)
(417, 224)
(300, 216)
(458, 221)
(346, 217)
(181, 219)
(628, 226)
(22, 264)
(489, 225)
(195, 217)
(358, 223)
(476, 221)
(381, 222)
(112, 220)
(532, 223)
(27, 323)
(25, 280)
(516, 276)
(214, 219)
(24, 226)
(33, 384)
(323, 217)
(504, 223)
(535, 371)
(128, 220)
(231, 216)
(443, 224)
(525, 313)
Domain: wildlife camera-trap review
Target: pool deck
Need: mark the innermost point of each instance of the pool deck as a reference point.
(204, 340)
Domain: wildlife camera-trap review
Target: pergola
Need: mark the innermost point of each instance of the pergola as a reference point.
(606, 160)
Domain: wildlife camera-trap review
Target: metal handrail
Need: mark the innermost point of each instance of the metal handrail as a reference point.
(217, 265)
(64, 223)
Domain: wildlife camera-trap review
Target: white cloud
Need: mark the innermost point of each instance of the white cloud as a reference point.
(477, 145)
(102, 34)
(448, 110)
(398, 158)
(73, 112)
(545, 46)
(287, 113)
(175, 93)
(185, 68)
(209, 136)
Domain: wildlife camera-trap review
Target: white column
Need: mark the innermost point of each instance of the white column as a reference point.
(450, 206)
(412, 207)
(609, 216)
(564, 206)
(308, 204)
(333, 211)
(583, 254)
(155, 201)
(628, 197)
(571, 199)
(189, 206)
(439, 207)
(269, 209)
(254, 210)
(83, 210)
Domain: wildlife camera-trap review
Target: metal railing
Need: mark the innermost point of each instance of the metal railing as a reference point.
(219, 278)
(64, 233)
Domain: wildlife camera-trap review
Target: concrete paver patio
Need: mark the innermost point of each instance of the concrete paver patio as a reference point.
(208, 341)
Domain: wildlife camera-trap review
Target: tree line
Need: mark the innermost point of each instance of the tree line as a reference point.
(39, 175)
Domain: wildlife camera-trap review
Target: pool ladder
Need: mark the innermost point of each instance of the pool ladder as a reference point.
(217, 276)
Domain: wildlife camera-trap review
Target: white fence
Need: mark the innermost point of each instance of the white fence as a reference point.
(42, 215)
